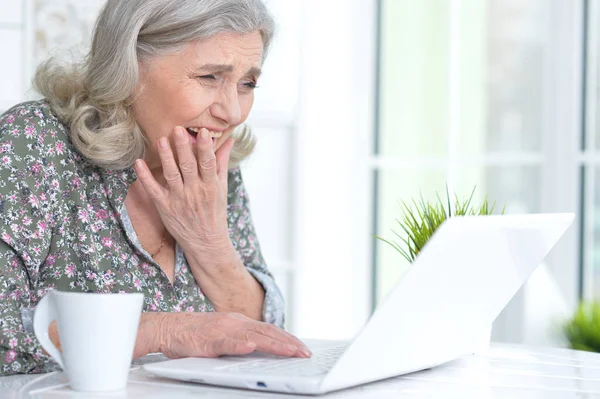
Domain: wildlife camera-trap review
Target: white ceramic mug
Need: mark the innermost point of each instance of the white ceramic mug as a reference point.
(97, 335)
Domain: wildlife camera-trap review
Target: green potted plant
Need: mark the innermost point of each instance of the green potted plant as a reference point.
(582, 329)
(421, 219)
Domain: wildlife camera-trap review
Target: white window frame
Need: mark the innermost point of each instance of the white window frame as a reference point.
(588, 157)
(561, 186)
(332, 285)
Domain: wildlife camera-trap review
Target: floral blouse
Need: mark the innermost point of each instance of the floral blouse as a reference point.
(63, 226)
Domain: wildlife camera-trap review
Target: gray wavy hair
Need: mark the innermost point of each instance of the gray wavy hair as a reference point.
(94, 97)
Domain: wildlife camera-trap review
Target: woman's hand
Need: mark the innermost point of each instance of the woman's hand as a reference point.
(193, 205)
(184, 334)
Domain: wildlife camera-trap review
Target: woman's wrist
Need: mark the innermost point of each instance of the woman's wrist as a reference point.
(219, 268)
(151, 336)
(228, 284)
(216, 258)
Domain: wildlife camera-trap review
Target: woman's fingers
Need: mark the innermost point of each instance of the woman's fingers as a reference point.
(228, 346)
(187, 161)
(207, 162)
(217, 334)
(267, 337)
(170, 168)
(210, 167)
(273, 346)
(223, 154)
(154, 190)
(280, 335)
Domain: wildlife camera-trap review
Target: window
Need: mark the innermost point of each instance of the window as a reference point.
(468, 94)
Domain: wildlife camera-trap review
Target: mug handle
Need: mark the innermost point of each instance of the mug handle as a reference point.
(45, 313)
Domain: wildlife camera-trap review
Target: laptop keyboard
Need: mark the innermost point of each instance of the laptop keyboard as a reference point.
(321, 362)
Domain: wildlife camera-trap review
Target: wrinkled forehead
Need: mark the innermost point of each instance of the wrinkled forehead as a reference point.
(238, 50)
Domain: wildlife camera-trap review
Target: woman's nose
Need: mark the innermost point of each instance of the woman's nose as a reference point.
(227, 107)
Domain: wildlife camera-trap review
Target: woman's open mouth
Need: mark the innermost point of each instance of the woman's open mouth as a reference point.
(193, 132)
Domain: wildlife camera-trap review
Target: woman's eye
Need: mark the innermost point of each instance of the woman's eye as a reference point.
(250, 85)
(207, 77)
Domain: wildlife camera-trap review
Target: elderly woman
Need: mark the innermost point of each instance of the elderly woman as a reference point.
(125, 178)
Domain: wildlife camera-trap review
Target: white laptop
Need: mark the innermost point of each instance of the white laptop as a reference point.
(459, 283)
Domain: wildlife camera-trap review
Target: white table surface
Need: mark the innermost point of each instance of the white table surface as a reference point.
(505, 371)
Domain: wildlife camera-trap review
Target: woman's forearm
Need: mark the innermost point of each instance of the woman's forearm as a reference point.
(149, 336)
(229, 285)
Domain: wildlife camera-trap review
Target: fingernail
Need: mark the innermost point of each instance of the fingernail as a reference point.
(204, 136)
(305, 352)
(163, 143)
(179, 132)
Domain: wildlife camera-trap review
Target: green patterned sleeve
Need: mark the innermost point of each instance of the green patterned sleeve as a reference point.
(245, 240)
(25, 234)
(20, 351)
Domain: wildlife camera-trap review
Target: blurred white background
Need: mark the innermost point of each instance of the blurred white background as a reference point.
(365, 103)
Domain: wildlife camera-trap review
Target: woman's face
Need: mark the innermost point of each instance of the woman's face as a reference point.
(210, 84)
